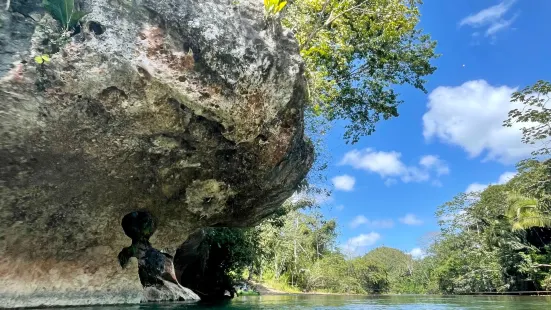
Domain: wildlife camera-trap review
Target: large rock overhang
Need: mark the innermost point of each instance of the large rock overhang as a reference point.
(192, 112)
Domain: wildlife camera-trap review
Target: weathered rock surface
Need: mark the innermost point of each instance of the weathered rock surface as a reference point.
(155, 268)
(191, 110)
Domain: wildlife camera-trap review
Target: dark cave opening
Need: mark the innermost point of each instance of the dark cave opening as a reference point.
(139, 225)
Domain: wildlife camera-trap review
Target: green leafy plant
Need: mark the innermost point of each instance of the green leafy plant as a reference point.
(64, 12)
(535, 115)
(273, 7)
(42, 59)
(525, 213)
(356, 53)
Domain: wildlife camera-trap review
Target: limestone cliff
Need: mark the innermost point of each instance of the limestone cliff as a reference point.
(189, 109)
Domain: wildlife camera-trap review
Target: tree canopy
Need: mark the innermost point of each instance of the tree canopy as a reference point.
(535, 115)
(355, 52)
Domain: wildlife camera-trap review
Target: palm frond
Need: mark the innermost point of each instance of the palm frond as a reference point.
(525, 212)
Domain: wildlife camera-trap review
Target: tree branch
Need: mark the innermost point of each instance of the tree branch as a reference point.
(541, 265)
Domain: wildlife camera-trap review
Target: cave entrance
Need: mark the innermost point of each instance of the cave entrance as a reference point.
(155, 268)
(139, 226)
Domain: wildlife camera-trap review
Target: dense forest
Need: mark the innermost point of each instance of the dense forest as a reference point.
(497, 239)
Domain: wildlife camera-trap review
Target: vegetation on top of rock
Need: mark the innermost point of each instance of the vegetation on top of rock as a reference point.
(273, 7)
(355, 52)
(64, 12)
(184, 150)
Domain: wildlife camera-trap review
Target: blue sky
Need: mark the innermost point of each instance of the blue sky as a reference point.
(386, 187)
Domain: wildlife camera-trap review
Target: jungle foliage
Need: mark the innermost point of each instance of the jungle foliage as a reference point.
(494, 240)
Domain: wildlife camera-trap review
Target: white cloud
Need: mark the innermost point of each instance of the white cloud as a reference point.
(358, 220)
(355, 245)
(471, 116)
(417, 253)
(381, 224)
(476, 187)
(339, 207)
(410, 219)
(492, 18)
(434, 162)
(506, 177)
(503, 178)
(344, 182)
(362, 220)
(383, 163)
(364, 240)
(389, 166)
(500, 25)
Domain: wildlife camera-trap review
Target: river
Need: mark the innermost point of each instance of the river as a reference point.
(323, 302)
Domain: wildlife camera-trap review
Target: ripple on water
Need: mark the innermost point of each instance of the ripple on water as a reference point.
(334, 302)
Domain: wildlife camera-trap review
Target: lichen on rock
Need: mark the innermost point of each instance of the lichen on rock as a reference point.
(192, 112)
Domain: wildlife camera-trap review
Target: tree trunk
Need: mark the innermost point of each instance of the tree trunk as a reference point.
(295, 251)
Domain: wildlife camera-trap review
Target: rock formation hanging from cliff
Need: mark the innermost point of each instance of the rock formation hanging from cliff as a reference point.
(190, 110)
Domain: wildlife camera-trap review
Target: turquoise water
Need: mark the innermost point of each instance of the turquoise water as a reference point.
(318, 302)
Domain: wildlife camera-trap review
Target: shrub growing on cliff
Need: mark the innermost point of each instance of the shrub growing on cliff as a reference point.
(64, 12)
(355, 52)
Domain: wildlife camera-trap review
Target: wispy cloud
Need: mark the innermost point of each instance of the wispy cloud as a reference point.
(344, 182)
(362, 220)
(410, 219)
(493, 19)
(390, 166)
(501, 25)
(434, 162)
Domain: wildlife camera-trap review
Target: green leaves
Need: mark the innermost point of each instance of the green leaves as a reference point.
(64, 12)
(273, 7)
(526, 212)
(42, 59)
(356, 52)
(496, 239)
(76, 17)
(535, 115)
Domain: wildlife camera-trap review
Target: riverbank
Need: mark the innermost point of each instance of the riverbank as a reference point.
(265, 289)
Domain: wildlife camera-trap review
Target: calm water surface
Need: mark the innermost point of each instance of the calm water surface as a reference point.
(352, 302)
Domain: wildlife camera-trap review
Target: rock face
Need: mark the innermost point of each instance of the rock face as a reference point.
(190, 110)
(155, 268)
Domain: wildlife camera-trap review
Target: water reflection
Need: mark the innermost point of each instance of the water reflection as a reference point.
(326, 302)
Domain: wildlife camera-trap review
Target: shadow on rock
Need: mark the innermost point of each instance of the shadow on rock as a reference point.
(155, 268)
